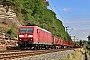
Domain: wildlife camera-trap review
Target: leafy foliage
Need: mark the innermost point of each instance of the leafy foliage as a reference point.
(34, 11)
(11, 33)
(88, 37)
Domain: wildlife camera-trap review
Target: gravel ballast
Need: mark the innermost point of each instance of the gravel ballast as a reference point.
(48, 56)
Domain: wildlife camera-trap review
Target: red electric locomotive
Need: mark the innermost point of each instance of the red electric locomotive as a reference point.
(34, 37)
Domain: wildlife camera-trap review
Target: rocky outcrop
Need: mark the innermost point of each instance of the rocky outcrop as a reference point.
(1, 1)
(8, 16)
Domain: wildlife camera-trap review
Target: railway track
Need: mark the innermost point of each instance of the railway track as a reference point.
(12, 54)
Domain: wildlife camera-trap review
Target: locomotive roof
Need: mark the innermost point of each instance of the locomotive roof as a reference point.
(44, 30)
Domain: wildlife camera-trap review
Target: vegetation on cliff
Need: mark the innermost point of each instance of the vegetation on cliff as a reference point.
(35, 11)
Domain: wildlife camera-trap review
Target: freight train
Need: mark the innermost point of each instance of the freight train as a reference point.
(35, 37)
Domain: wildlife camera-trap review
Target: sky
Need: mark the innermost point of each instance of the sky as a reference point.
(75, 14)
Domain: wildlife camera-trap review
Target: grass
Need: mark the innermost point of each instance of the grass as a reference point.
(88, 50)
(74, 56)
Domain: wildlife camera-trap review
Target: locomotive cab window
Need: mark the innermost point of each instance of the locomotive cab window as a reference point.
(30, 30)
(23, 30)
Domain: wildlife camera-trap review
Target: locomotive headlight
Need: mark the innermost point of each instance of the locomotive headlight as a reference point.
(21, 35)
(30, 35)
(20, 39)
(31, 39)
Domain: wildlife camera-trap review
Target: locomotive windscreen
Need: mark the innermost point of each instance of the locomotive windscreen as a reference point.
(24, 30)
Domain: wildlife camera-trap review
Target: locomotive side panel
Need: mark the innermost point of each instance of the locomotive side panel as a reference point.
(44, 37)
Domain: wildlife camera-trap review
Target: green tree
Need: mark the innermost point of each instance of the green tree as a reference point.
(11, 32)
(88, 37)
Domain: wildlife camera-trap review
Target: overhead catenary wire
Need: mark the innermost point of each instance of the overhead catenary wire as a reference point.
(57, 11)
(64, 22)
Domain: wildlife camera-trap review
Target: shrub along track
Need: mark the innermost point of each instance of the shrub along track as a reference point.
(12, 54)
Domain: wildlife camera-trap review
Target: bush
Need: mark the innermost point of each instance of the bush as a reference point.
(11, 32)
